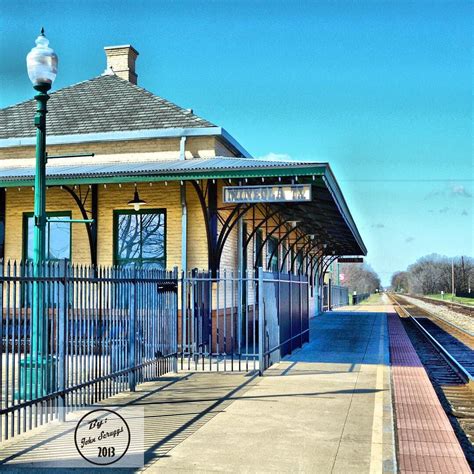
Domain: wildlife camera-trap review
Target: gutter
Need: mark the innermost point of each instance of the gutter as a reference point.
(175, 175)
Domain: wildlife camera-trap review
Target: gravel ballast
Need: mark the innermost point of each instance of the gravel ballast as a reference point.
(463, 321)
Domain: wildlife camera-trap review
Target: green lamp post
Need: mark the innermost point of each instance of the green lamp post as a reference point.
(42, 63)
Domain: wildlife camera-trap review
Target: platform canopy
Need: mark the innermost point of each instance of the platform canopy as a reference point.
(326, 214)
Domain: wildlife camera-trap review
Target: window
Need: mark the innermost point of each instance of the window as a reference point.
(272, 251)
(140, 238)
(58, 236)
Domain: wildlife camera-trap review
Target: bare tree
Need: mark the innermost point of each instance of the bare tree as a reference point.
(360, 277)
(433, 273)
(399, 281)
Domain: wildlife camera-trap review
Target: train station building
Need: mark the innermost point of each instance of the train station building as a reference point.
(137, 183)
(174, 257)
(164, 187)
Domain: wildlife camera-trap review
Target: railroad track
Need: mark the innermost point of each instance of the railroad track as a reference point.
(445, 332)
(457, 307)
(448, 360)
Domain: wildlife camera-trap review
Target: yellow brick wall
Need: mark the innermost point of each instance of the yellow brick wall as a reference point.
(18, 202)
(197, 237)
(113, 197)
(157, 196)
(110, 198)
(229, 259)
(166, 148)
(222, 150)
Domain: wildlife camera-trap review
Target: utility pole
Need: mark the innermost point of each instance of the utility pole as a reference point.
(452, 280)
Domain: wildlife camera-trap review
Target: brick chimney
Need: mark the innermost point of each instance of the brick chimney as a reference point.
(121, 60)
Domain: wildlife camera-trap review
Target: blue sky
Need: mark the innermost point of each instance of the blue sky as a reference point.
(381, 90)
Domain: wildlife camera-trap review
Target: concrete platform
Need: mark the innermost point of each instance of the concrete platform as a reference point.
(325, 409)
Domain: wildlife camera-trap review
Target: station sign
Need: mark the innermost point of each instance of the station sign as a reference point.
(270, 193)
(350, 260)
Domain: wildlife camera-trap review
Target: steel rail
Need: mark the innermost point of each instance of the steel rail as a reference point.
(444, 321)
(450, 359)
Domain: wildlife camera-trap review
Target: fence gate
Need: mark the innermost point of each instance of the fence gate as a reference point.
(241, 322)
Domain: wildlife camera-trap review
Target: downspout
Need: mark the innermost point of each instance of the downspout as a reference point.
(184, 212)
(3, 200)
(184, 249)
(240, 276)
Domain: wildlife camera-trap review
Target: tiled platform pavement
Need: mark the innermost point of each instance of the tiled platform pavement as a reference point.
(425, 439)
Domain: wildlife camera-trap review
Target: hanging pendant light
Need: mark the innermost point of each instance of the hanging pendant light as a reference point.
(136, 202)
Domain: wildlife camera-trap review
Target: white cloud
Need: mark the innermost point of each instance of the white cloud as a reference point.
(451, 190)
(460, 190)
(276, 157)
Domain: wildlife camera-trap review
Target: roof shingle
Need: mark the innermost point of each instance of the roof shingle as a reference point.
(102, 104)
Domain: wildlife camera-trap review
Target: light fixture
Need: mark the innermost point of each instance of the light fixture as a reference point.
(42, 63)
(136, 202)
(42, 66)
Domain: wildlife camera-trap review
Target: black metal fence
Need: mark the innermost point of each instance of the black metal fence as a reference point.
(73, 335)
(335, 296)
(358, 298)
(241, 322)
